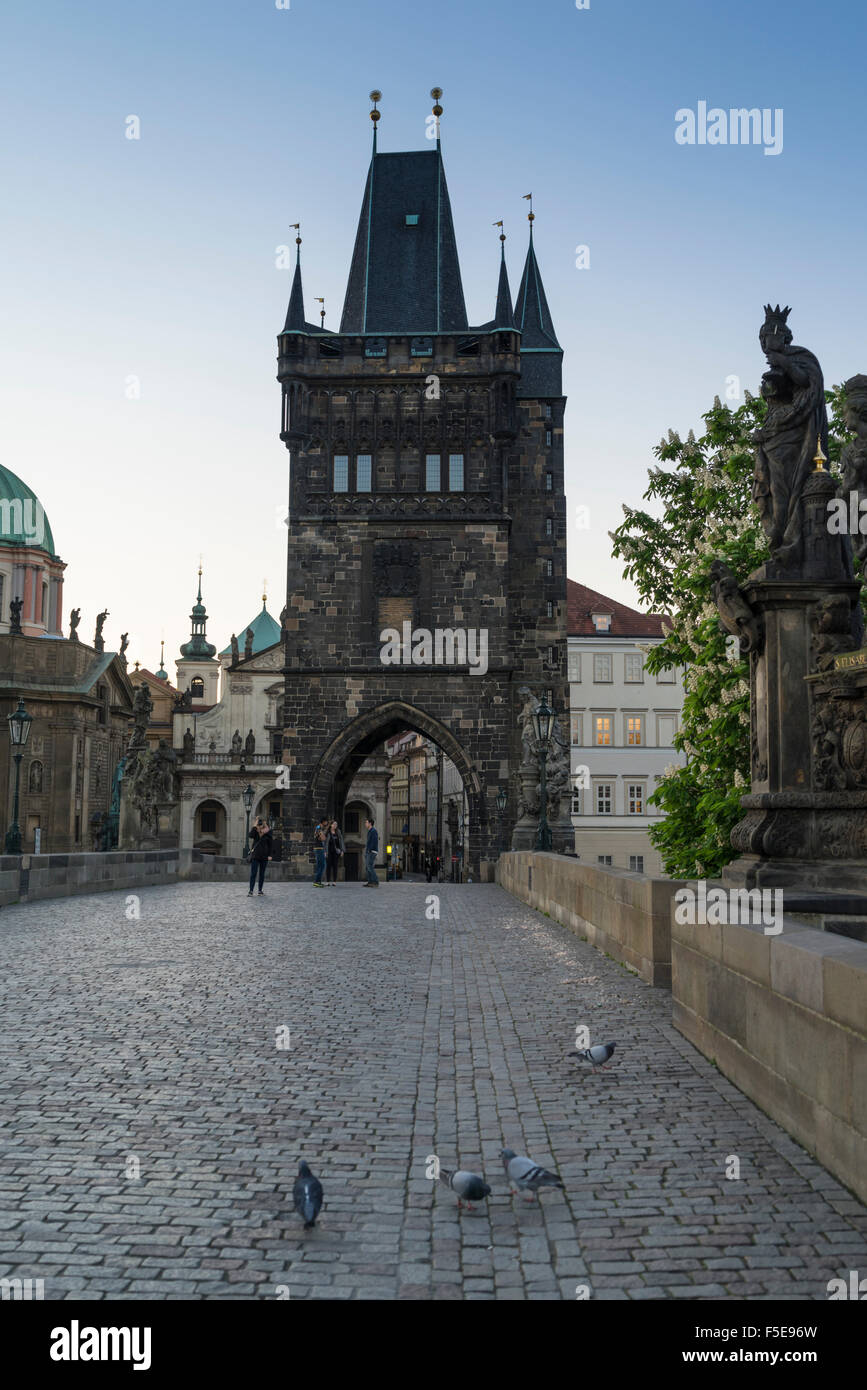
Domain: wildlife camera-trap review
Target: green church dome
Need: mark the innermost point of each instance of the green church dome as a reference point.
(22, 518)
(266, 633)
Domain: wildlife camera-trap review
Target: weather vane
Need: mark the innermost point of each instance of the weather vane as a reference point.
(321, 300)
(531, 216)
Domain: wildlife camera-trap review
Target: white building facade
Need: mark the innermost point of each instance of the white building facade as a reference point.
(623, 722)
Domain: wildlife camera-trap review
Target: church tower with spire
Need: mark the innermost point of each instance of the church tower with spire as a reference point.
(197, 670)
(426, 500)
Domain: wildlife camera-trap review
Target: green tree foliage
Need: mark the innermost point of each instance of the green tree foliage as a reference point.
(700, 509)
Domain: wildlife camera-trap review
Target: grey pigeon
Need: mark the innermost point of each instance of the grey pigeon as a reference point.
(524, 1173)
(598, 1055)
(471, 1187)
(307, 1196)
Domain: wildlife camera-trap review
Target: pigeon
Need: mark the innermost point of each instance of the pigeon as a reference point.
(307, 1196)
(469, 1186)
(598, 1056)
(524, 1173)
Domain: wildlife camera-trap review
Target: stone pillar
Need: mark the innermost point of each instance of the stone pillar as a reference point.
(805, 816)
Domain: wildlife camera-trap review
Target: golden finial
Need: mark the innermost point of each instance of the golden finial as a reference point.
(264, 591)
(436, 93)
(531, 216)
(502, 233)
(819, 458)
(296, 227)
(320, 300)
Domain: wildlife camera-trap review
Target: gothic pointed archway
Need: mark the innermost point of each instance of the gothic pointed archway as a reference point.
(344, 756)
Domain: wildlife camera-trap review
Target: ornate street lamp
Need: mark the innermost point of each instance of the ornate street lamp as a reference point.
(543, 723)
(19, 732)
(248, 795)
(501, 809)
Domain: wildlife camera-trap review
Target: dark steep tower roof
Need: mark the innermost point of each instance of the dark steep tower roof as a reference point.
(295, 313)
(541, 370)
(503, 316)
(405, 276)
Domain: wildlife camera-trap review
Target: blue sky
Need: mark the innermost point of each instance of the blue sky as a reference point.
(155, 258)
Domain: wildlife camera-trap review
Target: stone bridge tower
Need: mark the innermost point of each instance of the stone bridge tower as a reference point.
(426, 489)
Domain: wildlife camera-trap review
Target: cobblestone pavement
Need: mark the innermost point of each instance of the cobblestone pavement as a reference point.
(151, 1046)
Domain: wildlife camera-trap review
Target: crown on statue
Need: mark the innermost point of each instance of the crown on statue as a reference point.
(775, 318)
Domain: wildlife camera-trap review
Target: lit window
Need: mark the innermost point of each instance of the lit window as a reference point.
(602, 730)
(604, 860)
(635, 798)
(432, 472)
(636, 863)
(456, 472)
(341, 472)
(574, 666)
(363, 470)
(603, 799)
(602, 621)
(634, 729)
(634, 667)
(602, 668)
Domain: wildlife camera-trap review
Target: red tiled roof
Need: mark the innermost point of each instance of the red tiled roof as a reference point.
(143, 671)
(582, 603)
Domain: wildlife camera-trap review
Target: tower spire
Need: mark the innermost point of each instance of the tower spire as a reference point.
(295, 314)
(503, 315)
(541, 374)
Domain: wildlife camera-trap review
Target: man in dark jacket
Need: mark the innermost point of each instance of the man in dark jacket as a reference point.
(371, 852)
(260, 853)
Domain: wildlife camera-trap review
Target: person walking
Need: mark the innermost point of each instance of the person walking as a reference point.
(333, 850)
(319, 853)
(260, 852)
(370, 855)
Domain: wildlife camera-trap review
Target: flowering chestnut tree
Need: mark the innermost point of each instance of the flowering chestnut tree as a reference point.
(700, 509)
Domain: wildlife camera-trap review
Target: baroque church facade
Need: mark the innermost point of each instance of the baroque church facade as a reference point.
(426, 497)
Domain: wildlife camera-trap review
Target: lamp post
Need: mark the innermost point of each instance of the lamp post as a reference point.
(543, 723)
(501, 809)
(19, 732)
(248, 795)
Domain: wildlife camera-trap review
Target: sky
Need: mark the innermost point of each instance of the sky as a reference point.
(141, 295)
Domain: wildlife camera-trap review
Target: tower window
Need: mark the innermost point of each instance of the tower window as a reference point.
(456, 472)
(549, 526)
(548, 410)
(549, 482)
(549, 609)
(549, 568)
(375, 347)
(197, 688)
(341, 472)
(548, 437)
(412, 219)
(433, 482)
(363, 472)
